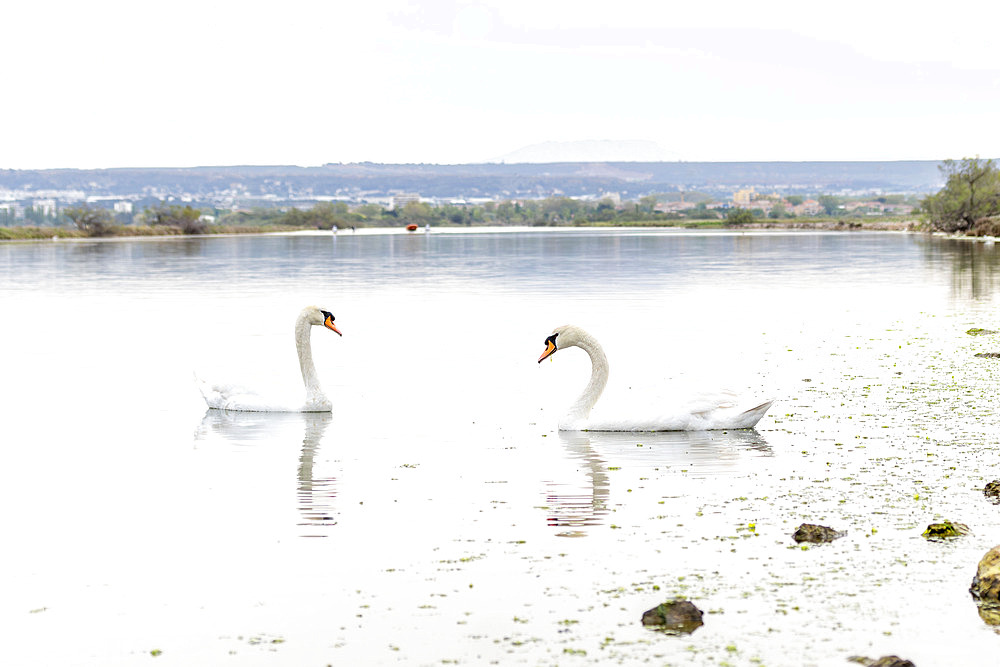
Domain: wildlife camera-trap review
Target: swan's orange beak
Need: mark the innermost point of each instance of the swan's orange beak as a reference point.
(328, 323)
(550, 349)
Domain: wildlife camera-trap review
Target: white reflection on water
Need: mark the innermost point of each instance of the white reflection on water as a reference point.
(316, 494)
(137, 522)
(578, 504)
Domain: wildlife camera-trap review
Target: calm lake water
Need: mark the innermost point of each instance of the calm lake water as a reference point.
(437, 516)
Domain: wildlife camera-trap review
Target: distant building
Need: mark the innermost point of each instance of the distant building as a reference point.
(808, 207)
(44, 206)
(123, 207)
(399, 201)
(615, 197)
(11, 211)
(764, 205)
(742, 198)
(674, 206)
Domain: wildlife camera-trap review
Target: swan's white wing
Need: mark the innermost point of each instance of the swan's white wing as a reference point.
(705, 411)
(236, 398)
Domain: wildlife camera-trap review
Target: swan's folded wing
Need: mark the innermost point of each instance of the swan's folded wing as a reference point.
(708, 402)
(236, 398)
(695, 412)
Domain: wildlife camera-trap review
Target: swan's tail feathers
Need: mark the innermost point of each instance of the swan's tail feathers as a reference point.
(749, 418)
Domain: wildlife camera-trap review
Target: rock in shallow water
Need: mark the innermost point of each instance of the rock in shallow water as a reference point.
(992, 491)
(884, 661)
(810, 532)
(677, 617)
(945, 530)
(986, 584)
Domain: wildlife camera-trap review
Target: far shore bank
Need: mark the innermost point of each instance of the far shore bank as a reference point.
(825, 224)
(888, 225)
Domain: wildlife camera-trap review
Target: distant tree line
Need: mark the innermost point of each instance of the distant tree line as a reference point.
(166, 218)
(553, 211)
(169, 218)
(542, 212)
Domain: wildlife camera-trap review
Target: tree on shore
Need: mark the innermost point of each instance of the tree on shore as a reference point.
(701, 211)
(417, 212)
(778, 211)
(92, 221)
(325, 215)
(739, 216)
(184, 218)
(647, 204)
(971, 193)
(830, 204)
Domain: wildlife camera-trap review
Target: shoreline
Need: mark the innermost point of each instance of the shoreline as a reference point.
(40, 234)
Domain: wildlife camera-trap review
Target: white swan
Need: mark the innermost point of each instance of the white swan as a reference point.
(233, 397)
(702, 412)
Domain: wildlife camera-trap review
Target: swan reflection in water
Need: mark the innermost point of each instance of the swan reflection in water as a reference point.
(574, 506)
(316, 495)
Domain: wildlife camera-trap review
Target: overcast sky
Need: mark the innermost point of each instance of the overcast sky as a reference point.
(120, 83)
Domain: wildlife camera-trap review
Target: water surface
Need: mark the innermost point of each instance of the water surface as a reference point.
(437, 516)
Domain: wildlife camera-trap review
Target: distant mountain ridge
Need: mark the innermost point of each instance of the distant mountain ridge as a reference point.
(604, 150)
(357, 181)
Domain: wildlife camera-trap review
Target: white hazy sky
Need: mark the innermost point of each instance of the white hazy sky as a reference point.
(121, 83)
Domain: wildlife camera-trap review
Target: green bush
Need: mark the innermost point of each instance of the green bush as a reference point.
(739, 216)
(971, 193)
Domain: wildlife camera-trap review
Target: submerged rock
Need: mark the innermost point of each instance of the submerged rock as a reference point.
(884, 661)
(990, 614)
(945, 530)
(988, 355)
(976, 331)
(677, 617)
(986, 584)
(992, 491)
(810, 532)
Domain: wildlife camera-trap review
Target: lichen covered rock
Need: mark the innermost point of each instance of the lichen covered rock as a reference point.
(676, 617)
(990, 614)
(945, 530)
(884, 661)
(986, 584)
(992, 491)
(976, 331)
(988, 355)
(810, 532)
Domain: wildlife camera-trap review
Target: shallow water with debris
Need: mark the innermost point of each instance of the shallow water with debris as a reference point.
(437, 516)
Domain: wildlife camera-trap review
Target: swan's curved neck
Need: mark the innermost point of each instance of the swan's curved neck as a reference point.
(304, 347)
(598, 378)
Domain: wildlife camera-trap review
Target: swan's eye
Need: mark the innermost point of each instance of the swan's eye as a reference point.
(552, 339)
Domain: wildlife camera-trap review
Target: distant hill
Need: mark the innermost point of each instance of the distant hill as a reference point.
(588, 151)
(358, 181)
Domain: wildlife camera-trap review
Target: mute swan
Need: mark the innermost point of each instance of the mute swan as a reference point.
(232, 397)
(702, 412)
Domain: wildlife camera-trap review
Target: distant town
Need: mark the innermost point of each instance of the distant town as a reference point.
(671, 189)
